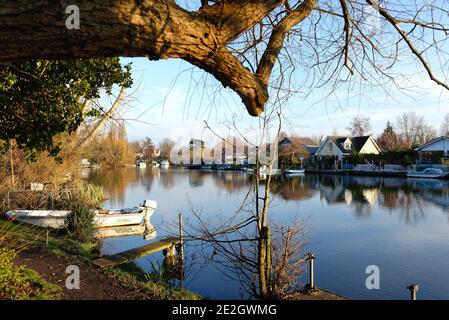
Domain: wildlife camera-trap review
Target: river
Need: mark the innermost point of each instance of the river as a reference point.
(399, 225)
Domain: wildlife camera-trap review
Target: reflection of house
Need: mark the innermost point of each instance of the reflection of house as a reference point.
(297, 146)
(341, 147)
(440, 145)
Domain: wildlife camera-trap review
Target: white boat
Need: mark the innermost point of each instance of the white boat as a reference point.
(428, 173)
(141, 164)
(103, 218)
(292, 172)
(165, 164)
(155, 164)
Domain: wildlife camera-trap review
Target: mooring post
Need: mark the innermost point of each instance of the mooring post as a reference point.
(413, 290)
(311, 257)
(181, 243)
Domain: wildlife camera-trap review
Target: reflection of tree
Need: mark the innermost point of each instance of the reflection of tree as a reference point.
(411, 207)
(231, 181)
(115, 182)
(167, 179)
(295, 188)
(196, 178)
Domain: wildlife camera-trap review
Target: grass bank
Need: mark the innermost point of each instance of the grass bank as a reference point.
(40, 262)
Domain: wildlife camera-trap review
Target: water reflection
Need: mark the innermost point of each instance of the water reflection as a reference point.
(398, 224)
(406, 198)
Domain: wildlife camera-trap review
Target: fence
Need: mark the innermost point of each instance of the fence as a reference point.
(31, 199)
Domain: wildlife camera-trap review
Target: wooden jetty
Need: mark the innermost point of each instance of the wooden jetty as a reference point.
(128, 255)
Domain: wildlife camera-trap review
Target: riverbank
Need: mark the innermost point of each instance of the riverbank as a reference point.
(48, 258)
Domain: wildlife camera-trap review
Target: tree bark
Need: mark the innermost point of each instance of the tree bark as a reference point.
(156, 29)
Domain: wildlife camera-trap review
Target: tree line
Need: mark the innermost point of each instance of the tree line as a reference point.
(408, 131)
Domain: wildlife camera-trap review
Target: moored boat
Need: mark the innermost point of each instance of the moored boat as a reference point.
(432, 173)
(103, 218)
(165, 164)
(141, 164)
(292, 172)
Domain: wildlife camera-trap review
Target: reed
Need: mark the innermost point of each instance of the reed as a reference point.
(80, 223)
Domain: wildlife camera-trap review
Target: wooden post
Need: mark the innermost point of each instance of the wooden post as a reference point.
(311, 271)
(413, 290)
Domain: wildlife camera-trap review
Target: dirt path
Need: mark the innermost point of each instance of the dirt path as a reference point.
(94, 283)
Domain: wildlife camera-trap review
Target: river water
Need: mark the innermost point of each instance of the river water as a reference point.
(399, 225)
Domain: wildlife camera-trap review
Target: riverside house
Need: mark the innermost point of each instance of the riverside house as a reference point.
(340, 147)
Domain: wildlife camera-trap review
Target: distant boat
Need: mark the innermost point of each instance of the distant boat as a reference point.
(103, 218)
(155, 164)
(292, 172)
(141, 164)
(165, 164)
(428, 173)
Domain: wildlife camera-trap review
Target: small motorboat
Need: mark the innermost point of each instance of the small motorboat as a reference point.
(292, 172)
(432, 173)
(103, 218)
(165, 164)
(141, 164)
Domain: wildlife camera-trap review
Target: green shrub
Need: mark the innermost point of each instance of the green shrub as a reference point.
(80, 223)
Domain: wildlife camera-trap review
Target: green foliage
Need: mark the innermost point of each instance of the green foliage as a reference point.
(20, 283)
(161, 290)
(388, 157)
(159, 273)
(80, 223)
(40, 99)
(355, 158)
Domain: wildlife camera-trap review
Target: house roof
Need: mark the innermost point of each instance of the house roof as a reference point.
(431, 142)
(357, 143)
(304, 141)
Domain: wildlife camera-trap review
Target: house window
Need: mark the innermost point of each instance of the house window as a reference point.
(329, 147)
(347, 145)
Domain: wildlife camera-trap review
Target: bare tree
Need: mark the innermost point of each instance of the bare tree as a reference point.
(166, 147)
(413, 129)
(359, 126)
(250, 46)
(444, 129)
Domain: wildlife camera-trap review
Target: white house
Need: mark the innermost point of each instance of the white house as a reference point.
(343, 146)
(440, 144)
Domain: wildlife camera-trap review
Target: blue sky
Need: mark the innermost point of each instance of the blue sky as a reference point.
(167, 103)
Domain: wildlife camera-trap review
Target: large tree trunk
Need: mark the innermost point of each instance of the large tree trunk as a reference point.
(156, 29)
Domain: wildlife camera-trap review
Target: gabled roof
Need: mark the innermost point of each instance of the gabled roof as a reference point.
(431, 142)
(339, 142)
(298, 141)
(357, 143)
